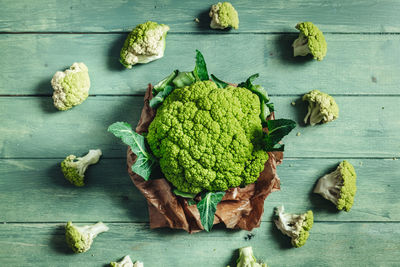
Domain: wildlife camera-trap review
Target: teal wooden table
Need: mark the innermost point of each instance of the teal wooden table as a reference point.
(361, 70)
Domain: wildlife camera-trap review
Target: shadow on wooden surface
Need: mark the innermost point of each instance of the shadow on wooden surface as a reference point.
(57, 241)
(114, 53)
(284, 47)
(46, 102)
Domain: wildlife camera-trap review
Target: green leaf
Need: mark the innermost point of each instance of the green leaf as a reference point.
(184, 194)
(145, 161)
(160, 97)
(184, 79)
(191, 202)
(207, 208)
(255, 88)
(277, 129)
(200, 70)
(218, 82)
(265, 112)
(164, 82)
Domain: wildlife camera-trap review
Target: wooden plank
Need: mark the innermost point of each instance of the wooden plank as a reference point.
(32, 128)
(109, 195)
(355, 64)
(255, 16)
(330, 244)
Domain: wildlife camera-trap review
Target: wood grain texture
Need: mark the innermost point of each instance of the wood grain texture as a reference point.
(369, 64)
(109, 194)
(32, 128)
(255, 16)
(330, 244)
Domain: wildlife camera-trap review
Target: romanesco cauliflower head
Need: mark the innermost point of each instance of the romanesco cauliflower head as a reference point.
(339, 186)
(311, 41)
(322, 108)
(223, 15)
(74, 168)
(144, 44)
(127, 262)
(71, 87)
(208, 138)
(296, 226)
(247, 259)
(80, 238)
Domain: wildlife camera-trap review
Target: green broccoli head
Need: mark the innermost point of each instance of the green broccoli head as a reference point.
(311, 41)
(80, 238)
(296, 226)
(71, 87)
(322, 107)
(144, 44)
(339, 186)
(247, 259)
(208, 138)
(74, 168)
(126, 262)
(223, 15)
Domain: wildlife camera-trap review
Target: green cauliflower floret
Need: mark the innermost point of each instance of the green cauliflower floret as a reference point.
(74, 168)
(311, 41)
(247, 259)
(339, 186)
(71, 87)
(127, 262)
(322, 107)
(208, 138)
(223, 15)
(296, 226)
(144, 44)
(80, 238)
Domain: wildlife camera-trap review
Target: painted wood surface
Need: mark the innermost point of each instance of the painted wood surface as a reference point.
(255, 16)
(109, 194)
(44, 132)
(361, 69)
(331, 244)
(355, 64)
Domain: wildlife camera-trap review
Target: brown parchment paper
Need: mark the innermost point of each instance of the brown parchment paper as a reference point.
(241, 208)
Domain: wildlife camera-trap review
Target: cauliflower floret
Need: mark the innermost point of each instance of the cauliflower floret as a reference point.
(247, 259)
(127, 262)
(144, 44)
(322, 108)
(74, 168)
(80, 238)
(223, 15)
(296, 226)
(339, 186)
(71, 87)
(311, 41)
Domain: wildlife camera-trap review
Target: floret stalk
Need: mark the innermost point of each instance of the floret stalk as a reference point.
(329, 186)
(95, 229)
(90, 158)
(300, 46)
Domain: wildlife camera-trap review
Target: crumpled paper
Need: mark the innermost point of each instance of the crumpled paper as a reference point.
(240, 208)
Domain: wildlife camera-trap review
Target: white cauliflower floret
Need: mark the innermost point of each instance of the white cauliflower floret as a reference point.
(144, 44)
(71, 87)
(223, 15)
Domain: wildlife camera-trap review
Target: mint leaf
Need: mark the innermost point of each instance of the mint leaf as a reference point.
(207, 208)
(145, 161)
(200, 70)
(218, 82)
(277, 129)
